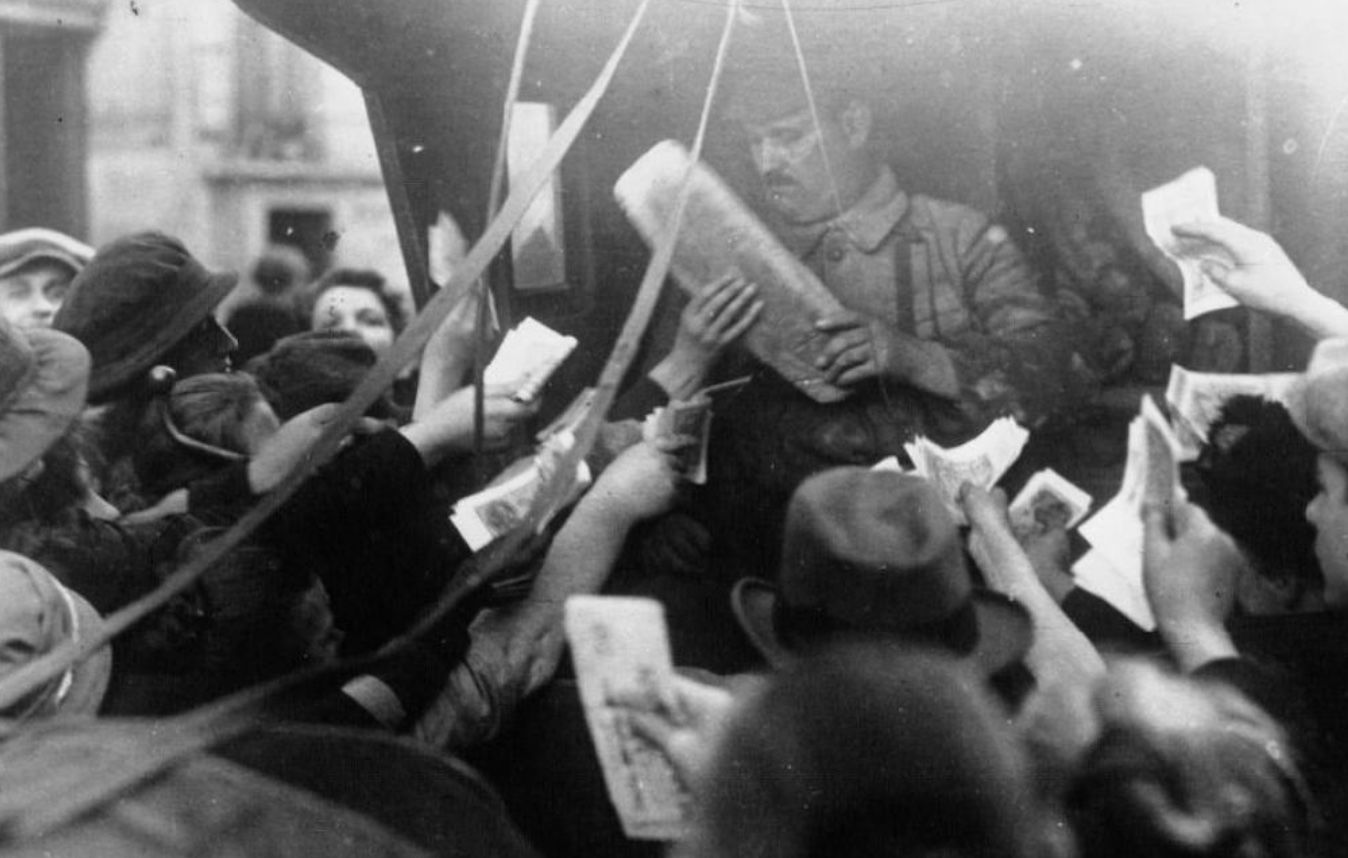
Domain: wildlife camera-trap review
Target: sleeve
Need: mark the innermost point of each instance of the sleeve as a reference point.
(1012, 357)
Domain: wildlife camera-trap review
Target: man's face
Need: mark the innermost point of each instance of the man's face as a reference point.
(30, 296)
(1328, 514)
(790, 154)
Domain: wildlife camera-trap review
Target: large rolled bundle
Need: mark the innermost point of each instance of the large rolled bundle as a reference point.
(720, 235)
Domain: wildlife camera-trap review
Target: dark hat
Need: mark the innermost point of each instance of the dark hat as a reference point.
(877, 554)
(35, 244)
(43, 375)
(139, 297)
(37, 615)
(306, 370)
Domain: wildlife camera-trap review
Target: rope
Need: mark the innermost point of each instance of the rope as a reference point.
(554, 492)
(493, 204)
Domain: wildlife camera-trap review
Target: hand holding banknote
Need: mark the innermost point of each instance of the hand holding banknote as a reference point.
(1249, 264)
(1190, 568)
(686, 726)
(643, 481)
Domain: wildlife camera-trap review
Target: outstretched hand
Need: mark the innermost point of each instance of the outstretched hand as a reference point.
(686, 726)
(284, 451)
(643, 481)
(1249, 264)
(716, 316)
(1190, 569)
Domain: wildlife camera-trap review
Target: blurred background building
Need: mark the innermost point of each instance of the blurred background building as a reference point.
(198, 121)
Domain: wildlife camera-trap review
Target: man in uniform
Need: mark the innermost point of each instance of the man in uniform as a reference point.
(944, 329)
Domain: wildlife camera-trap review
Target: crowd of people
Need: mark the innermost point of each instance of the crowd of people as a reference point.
(861, 674)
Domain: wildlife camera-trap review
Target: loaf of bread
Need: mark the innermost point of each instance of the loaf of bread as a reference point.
(721, 235)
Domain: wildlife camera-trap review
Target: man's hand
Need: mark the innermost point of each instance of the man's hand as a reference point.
(1258, 274)
(858, 348)
(282, 452)
(687, 726)
(448, 427)
(642, 482)
(1190, 568)
(717, 316)
(720, 313)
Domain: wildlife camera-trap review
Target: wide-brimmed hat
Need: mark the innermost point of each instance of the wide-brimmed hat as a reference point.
(43, 375)
(25, 246)
(877, 554)
(1318, 400)
(37, 615)
(136, 299)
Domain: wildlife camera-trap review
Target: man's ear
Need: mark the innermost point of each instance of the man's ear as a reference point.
(856, 120)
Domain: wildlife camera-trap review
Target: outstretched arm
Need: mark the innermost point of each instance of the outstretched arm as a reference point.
(1259, 274)
(715, 317)
(1061, 653)
(1190, 568)
(515, 650)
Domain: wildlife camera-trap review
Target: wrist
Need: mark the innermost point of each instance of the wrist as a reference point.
(680, 374)
(1195, 641)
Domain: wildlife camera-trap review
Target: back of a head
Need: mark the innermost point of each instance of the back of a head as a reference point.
(1257, 475)
(280, 269)
(309, 369)
(868, 750)
(1224, 786)
(192, 428)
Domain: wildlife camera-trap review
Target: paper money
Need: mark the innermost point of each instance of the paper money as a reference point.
(1196, 400)
(1151, 475)
(621, 652)
(981, 461)
(527, 358)
(1193, 196)
(719, 235)
(485, 516)
(1048, 501)
(692, 419)
(1095, 574)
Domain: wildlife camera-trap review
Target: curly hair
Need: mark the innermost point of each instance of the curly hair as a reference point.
(359, 278)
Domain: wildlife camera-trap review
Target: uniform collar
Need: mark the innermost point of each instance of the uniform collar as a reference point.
(865, 225)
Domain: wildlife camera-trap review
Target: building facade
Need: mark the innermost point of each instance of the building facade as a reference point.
(206, 125)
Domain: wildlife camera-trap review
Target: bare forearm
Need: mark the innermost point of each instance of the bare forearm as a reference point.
(1321, 316)
(1060, 650)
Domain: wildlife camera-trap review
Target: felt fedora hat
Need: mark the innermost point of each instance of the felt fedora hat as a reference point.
(876, 554)
(37, 615)
(26, 246)
(137, 298)
(43, 376)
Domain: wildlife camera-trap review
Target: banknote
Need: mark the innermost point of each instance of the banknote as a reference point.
(621, 651)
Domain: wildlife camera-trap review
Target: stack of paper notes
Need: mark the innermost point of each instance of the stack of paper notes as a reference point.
(1048, 501)
(621, 651)
(1112, 569)
(527, 357)
(485, 516)
(981, 461)
(1191, 197)
(1196, 400)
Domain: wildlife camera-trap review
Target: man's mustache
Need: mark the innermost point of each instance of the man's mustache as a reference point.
(778, 179)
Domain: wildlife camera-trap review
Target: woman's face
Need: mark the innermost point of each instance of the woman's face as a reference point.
(354, 309)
